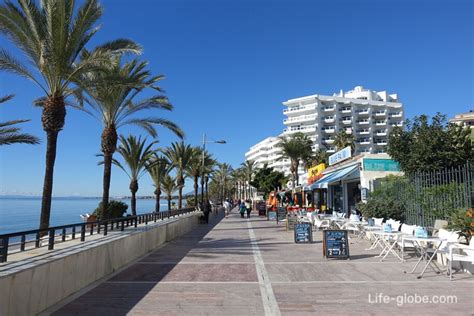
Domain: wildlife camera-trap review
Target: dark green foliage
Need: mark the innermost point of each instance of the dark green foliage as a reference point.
(114, 210)
(267, 180)
(383, 202)
(462, 220)
(190, 201)
(425, 145)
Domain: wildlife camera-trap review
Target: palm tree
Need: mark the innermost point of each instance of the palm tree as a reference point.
(158, 167)
(296, 148)
(10, 134)
(222, 176)
(180, 156)
(343, 140)
(194, 168)
(116, 105)
(52, 37)
(136, 155)
(248, 169)
(169, 187)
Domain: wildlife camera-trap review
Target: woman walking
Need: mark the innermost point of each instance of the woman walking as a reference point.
(242, 209)
(248, 206)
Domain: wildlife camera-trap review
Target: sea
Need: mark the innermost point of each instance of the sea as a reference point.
(23, 213)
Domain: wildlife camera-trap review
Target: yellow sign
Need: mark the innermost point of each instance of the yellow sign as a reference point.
(315, 173)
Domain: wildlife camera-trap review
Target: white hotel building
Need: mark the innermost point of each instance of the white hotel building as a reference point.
(366, 114)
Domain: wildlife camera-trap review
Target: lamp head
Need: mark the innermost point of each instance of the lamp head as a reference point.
(220, 142)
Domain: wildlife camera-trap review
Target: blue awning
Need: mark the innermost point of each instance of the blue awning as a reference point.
(335, 176)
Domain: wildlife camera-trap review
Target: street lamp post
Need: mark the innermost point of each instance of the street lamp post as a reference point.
(204, 141)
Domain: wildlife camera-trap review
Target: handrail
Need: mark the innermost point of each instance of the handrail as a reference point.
(85, 227)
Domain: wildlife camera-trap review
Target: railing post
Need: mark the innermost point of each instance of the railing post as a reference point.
(92, 229)
(23, 240)
(136, 222)
(38, 240)
(98, 228)
(83, 232)
(105, 228)
(111, 225)
(123, 225)
(3, 249)
(146, 219)
(73, 232)
(51, 239)
(64, 234)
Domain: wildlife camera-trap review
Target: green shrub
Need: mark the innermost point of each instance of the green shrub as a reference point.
(190, 202)
(378, 207)
(462, 220)
(115, 209)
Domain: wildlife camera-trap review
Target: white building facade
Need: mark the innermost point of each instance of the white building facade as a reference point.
(368, 115)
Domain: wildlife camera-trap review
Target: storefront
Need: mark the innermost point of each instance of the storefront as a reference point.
(346, 183)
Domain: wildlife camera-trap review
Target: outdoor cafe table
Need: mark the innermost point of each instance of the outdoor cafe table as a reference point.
(388, 241)
(421, 245)
(370, 233)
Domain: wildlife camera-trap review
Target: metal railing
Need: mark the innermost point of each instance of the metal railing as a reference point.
(77, 231)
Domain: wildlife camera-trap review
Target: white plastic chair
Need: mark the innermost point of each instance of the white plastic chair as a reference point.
(460, 253)
(378, 221)
(321, 223)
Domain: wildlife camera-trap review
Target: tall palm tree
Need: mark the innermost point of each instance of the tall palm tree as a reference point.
(52, 37)
(117, 105)
(297, 147)
(208, 172)
(179, 155)
(158, 167)
(248, 169)
(343, 140)
(169, 187)
(223, 177)
(194, 168)
(10, 134)
(136, 154)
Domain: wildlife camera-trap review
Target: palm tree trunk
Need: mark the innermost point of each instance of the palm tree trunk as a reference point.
(106, 183)
(169, 202)
(108, 144)
(207, 192)
(157, 201)
(133, 201)
(196, 179)
(180, 192)
(52, 138)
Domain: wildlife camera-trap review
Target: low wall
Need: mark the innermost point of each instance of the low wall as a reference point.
(33, 289)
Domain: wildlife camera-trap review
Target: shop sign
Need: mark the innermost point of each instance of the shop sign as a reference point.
(341, 155)
(315, 173)
(380, 165)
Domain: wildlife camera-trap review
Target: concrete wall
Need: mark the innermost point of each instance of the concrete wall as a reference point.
(35, 288)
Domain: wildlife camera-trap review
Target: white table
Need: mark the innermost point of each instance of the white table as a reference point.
(388, 240)
(421, 245)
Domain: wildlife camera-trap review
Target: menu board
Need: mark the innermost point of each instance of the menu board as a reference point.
(303, 233)
(291, 220)
(335, 244)
(281, 215)
(272, 215)
(262, 208)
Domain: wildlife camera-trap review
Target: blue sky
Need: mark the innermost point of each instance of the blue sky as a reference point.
(230, 64)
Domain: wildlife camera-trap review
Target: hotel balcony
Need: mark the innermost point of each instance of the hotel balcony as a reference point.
(329, 119)
(363, 142)
(363, 132)
(346, 120)
(363, 122)
(380, 123)
(399, 114)
(381, 143)
(397, 124)
(328, 140)
(301, 129)
(380, 113)
(328, 130)
(300, 119)
(346, 110)
(299, 109)
(331, 150)
(381, 133)
(363, 112)
(329, 108)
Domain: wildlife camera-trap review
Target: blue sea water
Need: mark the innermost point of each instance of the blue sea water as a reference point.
(19, 214)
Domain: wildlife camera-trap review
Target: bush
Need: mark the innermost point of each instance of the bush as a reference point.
(190, 202)
(114, 210)
(386, 208)
(462, 220)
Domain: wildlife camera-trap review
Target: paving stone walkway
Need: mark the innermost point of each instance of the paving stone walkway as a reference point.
(237, 266)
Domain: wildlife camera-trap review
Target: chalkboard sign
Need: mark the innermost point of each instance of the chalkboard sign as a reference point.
(272, 215)
(335, 244)
(262, 208)
(303, 233)
(291, 220)
(281, 215)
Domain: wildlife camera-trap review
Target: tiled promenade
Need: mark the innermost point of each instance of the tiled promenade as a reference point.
(237, 266)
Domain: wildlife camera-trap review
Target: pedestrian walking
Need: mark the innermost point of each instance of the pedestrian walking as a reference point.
(248, 206)
(243, 209)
